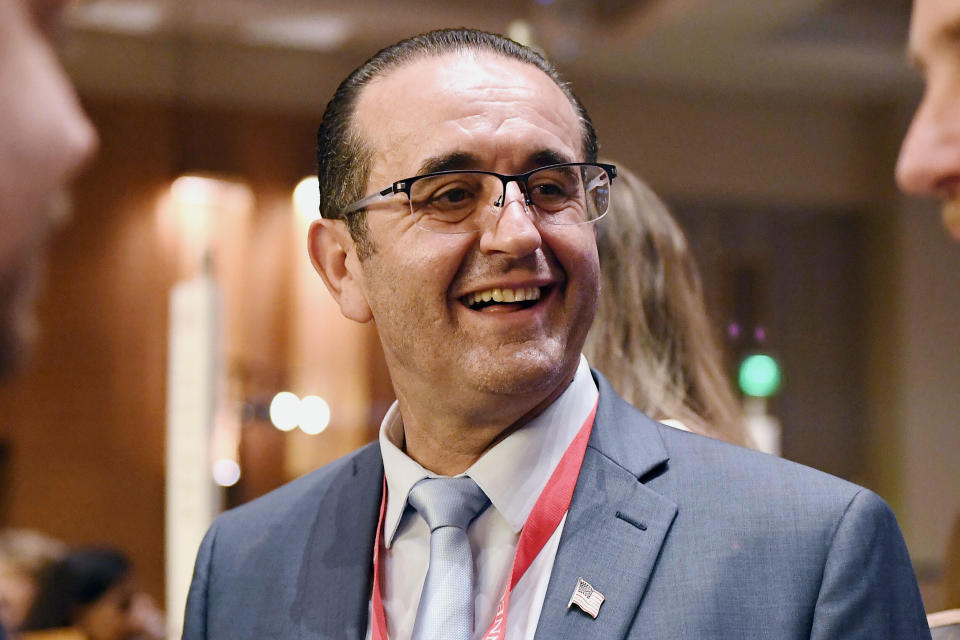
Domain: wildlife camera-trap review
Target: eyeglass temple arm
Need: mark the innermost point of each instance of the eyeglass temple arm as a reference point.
(609, 173)
(596, 182)
(363, 203)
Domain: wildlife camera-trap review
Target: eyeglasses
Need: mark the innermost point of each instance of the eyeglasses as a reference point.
(570, 193)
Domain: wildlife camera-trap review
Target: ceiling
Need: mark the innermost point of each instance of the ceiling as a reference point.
(835, 49)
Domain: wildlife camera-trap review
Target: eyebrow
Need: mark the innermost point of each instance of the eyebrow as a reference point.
(461, 161)
(947, 35)
(546, 157)
(449, 162)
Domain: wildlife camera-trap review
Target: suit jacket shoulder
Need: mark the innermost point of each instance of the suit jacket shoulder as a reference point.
(294, 563)
(690, 537)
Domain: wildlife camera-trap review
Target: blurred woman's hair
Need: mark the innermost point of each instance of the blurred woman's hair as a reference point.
(24, 554)
(652, 336)
(29, 551)
(72, 583)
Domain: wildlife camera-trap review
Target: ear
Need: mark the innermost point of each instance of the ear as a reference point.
(334, 256)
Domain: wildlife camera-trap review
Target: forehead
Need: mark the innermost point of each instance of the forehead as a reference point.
(498, 110)
(934, 29)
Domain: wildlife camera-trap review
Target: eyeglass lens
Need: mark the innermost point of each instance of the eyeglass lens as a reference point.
(565, 195)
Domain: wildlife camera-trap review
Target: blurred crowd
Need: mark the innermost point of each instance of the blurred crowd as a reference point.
(49, 591)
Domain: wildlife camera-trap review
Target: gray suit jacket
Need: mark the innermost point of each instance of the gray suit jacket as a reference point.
(687, 537)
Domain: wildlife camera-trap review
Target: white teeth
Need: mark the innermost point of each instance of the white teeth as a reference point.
(503, 295)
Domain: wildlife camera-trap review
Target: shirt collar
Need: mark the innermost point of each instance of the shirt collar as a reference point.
(513, 473)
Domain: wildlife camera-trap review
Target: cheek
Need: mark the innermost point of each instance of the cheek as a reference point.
(582, 267)
(422, 268)
(576, 251)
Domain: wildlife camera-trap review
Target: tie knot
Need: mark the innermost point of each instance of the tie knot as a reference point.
(448, 502)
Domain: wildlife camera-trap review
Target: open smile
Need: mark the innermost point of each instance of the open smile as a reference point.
(503, 298)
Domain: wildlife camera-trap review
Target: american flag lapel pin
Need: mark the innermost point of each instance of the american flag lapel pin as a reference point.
(587, 598)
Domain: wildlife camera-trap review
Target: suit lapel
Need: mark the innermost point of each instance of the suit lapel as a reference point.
(333, 589)
(615, 526)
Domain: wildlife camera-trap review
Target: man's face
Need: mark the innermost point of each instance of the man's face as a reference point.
(44, 138)
(929, 161)
(473, 112)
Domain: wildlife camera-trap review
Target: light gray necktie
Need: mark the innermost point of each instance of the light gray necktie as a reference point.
(448, 505)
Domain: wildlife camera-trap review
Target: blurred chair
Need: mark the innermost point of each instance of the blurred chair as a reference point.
(951, 568)
(945, 625)
(55, 634)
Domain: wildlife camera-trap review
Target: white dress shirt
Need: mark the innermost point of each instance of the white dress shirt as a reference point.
(512, 474)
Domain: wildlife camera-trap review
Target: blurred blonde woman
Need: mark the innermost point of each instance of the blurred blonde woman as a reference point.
(652, 337)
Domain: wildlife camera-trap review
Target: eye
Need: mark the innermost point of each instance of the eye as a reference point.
(553, 189)
(446, 193)
(453, 196)
(549, 190)
(47, 16)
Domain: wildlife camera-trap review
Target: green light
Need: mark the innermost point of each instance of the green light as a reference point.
(759, 376)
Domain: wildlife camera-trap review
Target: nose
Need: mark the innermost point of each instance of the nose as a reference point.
(79, 142)
(929, 162)
(513, 231)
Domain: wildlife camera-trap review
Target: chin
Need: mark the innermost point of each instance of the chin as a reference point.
(530, 370)
(15, 345)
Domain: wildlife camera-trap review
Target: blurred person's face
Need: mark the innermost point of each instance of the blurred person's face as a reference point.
(111, 616)
(44, 139)
(929, 161)
(17, 591)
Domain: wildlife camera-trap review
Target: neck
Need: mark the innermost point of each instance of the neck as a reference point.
(449, 444)
(451, 452)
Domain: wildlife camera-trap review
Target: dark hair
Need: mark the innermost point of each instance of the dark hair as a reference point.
(70, 584)
(343, 160)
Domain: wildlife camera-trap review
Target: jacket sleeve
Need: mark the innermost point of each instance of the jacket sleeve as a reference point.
(195, 617)
(868, 589)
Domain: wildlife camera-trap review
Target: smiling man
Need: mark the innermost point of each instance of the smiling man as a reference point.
(512, 493)
(462, 367)
(929, 163)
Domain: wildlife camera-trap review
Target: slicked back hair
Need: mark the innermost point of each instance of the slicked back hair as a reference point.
(343, 158)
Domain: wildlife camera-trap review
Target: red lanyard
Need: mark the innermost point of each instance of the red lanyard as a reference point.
(543, 520)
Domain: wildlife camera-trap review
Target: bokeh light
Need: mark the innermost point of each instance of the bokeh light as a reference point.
(759, 375)
(306, 198)
(285, 411)
(314, 414)
(226, 473)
